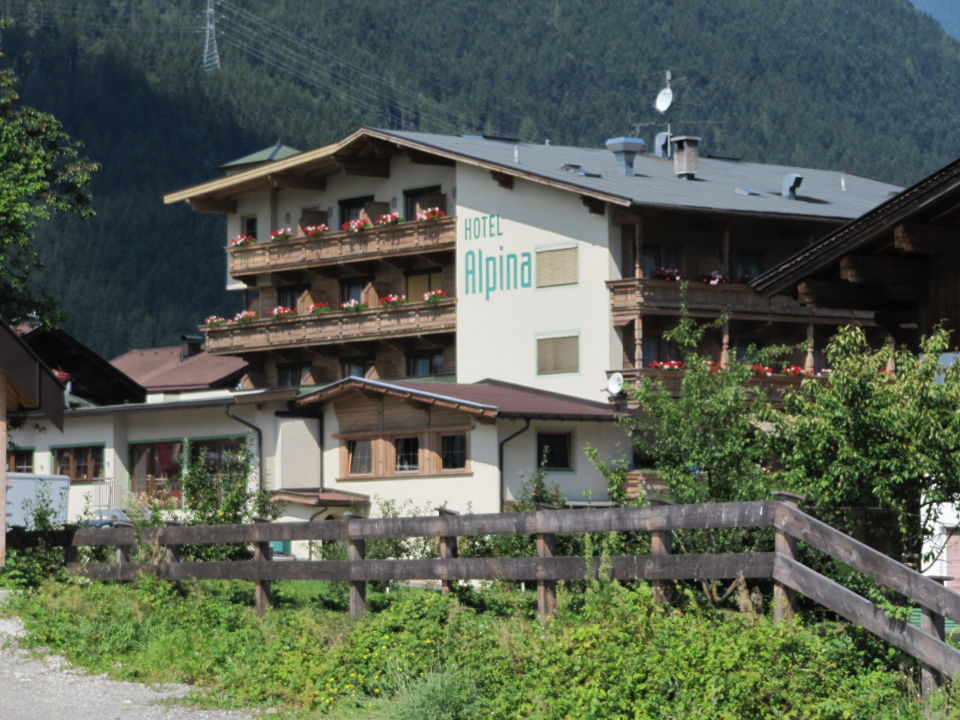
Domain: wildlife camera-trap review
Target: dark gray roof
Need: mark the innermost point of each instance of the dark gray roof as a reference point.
(823, 193)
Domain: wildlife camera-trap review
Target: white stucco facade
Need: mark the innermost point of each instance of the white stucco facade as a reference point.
(501, 311)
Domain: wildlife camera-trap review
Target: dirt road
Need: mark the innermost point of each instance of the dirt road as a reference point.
(47, 688)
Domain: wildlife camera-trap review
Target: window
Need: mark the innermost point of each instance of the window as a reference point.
(80, 464)
(453, 451)
(420, 281)
(20, 460)
(558, 355)
(408, 453)
(557, 267)
(156, 469)
(360, 455)
(216, 451)
(553, 451)
(292, 374)
(357, 367)
(420, 199)
(425, 364)
(651, 349)
(350, 209)
(352, 288)
(396, 455)
(248, 225)
(289, 295)
(655, 257)
(746, 266)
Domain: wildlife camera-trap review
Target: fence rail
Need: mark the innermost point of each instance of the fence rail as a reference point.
(937, 658)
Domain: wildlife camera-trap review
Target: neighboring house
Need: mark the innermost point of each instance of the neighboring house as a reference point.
(900, 265)
(25, 384)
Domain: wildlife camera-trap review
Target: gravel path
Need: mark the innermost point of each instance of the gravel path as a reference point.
(48, 688)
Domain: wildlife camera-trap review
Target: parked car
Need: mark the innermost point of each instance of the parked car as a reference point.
(111, 517)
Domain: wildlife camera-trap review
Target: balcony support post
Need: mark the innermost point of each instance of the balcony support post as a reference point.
(808, 361)
(725, 250)
(725, 345)
(638, 342)
(638, 248)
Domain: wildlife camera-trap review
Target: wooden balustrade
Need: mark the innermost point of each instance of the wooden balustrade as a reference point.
(632, 295)
(775, 385)
(408, 320)
(938, 658)
(338, 247)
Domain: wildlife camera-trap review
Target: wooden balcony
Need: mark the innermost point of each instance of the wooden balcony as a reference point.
(632, 296)
(332, 328)
(408, 238)
(775, 385)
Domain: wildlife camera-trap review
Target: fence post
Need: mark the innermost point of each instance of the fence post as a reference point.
(262, 552)
(931, 622)
(356, 550)
(661, 543)
(448, 548)
(784, 599)
(546, 589)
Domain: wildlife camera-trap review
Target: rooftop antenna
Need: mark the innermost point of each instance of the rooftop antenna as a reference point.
(662, 104)
(211, 55)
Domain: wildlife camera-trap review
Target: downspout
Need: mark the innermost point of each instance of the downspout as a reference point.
(259, 433)
(320, 444)
(503, 486)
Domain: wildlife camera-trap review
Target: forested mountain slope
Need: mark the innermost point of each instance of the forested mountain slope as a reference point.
(871, 88)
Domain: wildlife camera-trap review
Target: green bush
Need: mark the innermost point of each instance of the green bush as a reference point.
(610, 653)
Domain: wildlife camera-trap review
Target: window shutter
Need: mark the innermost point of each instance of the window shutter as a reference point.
(557, 267)
(558, 355)
(312, 217)
(373, 210)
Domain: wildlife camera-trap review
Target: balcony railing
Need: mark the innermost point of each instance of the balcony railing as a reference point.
(338, 247)
(332, 328)
(641, 295)
(775, 385)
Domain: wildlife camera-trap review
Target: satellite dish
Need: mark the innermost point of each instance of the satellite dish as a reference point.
(664, 100)
(615, 384)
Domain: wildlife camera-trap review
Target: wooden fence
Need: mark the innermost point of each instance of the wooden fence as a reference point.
(926, 644)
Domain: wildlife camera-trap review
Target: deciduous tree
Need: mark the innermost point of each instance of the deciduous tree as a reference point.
(41, 173)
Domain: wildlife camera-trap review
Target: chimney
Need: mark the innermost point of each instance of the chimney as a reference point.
(791, 183)
(625, 150)
(190, 346)
(686, 152)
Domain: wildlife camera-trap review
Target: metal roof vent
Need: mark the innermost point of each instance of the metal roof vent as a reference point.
(686, 153)
(791, 183)
(661, 144)
(625, 150)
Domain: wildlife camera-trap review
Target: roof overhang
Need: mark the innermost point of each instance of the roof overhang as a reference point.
(319, 498)
(942, 187)
(31, 386)
(219, 195)
(350, 385)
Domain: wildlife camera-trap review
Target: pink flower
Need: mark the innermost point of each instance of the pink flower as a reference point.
(356, 226)
(432, 296)
(242, 239)
(433, 213)
(280, 312)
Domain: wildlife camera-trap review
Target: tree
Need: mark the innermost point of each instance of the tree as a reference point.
(874, 438)
(705, 441)
(220, 496)
(41, 173)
